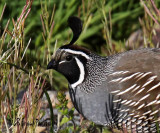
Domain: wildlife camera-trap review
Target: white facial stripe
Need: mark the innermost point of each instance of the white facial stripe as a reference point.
(82, 73)
(77, 52)
(62, 61)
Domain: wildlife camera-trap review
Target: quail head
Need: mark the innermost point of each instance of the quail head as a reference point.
(119, 91)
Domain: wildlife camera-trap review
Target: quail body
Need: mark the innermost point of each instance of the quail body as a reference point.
(121, 90)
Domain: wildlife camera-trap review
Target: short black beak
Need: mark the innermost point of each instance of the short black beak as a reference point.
(52, 64)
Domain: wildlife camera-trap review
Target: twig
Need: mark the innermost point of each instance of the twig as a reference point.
(44, 31)
(158, 12)
(26, 49)
(5, 28)
(6, 124)
(149, 13)
(51, 111)
(2, 12)
(18, 67)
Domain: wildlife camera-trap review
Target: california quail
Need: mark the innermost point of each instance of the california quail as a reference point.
(121, 90)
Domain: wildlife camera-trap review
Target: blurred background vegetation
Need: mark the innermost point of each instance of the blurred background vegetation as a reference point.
(26, 46)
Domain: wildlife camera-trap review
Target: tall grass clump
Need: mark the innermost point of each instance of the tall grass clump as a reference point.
(16, 115)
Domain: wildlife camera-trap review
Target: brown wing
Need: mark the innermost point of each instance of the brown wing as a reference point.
(136, 80)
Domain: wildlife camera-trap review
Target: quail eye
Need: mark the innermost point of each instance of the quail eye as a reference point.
(69, 57)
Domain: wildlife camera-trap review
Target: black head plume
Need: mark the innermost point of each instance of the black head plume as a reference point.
(76, 25)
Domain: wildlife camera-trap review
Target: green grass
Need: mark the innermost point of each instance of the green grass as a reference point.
(30, 35)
